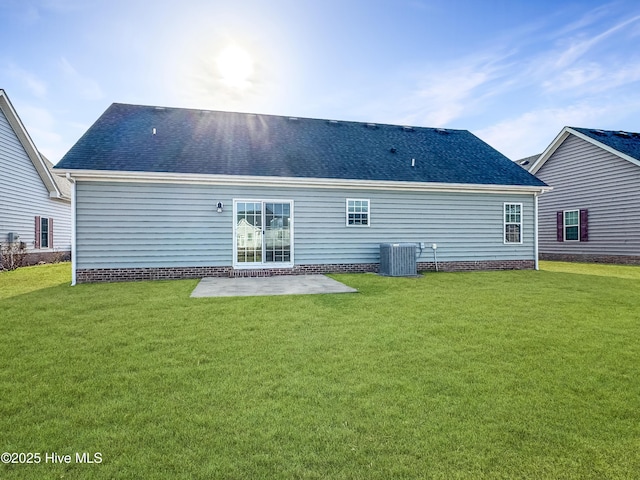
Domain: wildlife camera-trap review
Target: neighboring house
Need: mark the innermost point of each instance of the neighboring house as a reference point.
(35, 204)
(171, 193)
(593, 212)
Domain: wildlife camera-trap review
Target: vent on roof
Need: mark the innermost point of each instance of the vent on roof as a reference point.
(442, 131)
(372, 126)
(160, 108)
(332, 122)
(408, 129)
(599, 132)
(294, 119)
(622, 134)
(393, 150)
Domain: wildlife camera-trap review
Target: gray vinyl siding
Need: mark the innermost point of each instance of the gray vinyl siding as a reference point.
(128, 225)
(584, 176)
(23, 196)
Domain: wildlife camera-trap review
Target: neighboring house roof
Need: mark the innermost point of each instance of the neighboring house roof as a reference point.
(625, 145)
(133, 138)
(527, 161)
(40, 164)
(62, 183)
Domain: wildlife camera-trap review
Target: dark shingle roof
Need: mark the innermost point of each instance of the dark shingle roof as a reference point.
(624, 142)
(224, 143)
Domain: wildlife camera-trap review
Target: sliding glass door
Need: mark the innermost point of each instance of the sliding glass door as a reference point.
(263, 233)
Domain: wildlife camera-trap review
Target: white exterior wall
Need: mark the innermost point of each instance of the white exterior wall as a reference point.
(23, 196)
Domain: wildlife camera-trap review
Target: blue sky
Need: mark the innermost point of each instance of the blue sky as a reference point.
(512, 72)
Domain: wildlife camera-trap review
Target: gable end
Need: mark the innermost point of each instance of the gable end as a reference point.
(29, 147)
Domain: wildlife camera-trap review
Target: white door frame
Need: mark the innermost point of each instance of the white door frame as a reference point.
(263, 263)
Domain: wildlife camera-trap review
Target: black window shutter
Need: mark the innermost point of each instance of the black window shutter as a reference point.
(584, 225)
(560, 226)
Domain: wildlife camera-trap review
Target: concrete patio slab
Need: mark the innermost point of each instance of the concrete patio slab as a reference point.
(261, 286)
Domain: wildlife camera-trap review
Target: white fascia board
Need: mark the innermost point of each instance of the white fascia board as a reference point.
(28, 145)
(236, 180)
(562, 136)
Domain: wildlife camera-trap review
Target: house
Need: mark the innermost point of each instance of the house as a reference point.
(173, 193)
(593, 212)
(35, 204)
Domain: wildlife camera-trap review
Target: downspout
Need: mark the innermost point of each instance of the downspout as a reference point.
(73, 228)
(535, 228)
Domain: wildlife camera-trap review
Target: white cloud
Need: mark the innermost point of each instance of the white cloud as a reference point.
(593, 78)
(34, 84)
(447, 95)
(41, 125)
(85, 87)
(531, 132)
(578, 73)
(579, 48)
(586, 62)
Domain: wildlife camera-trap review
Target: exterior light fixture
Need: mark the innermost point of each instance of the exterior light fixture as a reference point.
(219, 207)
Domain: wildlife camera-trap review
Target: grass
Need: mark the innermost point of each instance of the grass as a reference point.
(515, 374)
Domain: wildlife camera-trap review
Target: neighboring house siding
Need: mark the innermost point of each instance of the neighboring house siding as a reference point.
(23, 196)
(140, 225)
(584, 176)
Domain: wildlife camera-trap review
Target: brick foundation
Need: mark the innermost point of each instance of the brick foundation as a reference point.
(614, 259)
(468, 266)
(173, 273)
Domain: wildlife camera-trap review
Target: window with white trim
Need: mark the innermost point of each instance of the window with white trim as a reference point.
(512, 223)
(357, 212)
(44, 232)
(571, 225)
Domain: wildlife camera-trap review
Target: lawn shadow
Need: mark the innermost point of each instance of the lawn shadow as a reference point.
(626, 272)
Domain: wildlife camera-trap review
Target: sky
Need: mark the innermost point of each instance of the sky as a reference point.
(513, 72)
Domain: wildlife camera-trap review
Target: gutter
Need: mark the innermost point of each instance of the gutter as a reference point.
(73, 228)
(248, 180)
(536, 252)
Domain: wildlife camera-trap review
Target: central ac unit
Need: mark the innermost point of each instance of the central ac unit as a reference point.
(398, 259)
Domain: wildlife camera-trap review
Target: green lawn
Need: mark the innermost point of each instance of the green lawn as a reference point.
(516, 374)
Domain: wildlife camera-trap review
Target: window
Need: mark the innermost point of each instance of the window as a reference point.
(512, 223)
(571, 225)
(43, 237)
(357, 212)
(44, 233)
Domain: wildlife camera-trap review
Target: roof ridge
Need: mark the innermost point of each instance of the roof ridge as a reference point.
(289, 117)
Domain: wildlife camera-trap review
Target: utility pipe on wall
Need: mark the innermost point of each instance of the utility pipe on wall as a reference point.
(73, 228)
(435, 257)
